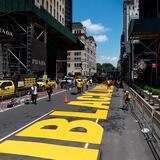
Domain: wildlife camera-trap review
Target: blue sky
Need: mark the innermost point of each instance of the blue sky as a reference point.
(103, 20)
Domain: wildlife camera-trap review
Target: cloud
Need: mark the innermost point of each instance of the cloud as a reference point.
(108, 59)
(100, 38)
(94, 28)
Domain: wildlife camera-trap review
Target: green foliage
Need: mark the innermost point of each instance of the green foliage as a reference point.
(105, 67)
(156, 91)
(146, 87)
(150, 89)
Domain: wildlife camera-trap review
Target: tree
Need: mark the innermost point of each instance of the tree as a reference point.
(104, 68)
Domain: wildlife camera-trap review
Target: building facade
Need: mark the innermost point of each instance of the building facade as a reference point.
(130, 11)
(33, 36)
(55, 7)
(149, 9)
(140, 43)
(82, 62)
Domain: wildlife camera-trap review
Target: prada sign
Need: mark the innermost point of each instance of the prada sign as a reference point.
(6, 32)
(38, 55)
(38, 62)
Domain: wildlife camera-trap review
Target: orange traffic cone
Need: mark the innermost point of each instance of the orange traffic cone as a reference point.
(66, 100)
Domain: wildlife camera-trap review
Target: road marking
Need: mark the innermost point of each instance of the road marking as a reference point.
(7, 109)
(29, 130)
(2, 139)
(87, 144)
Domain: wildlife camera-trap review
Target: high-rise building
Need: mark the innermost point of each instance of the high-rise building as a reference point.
(130, 11)
(68, 14)
(82, 61)
(34, 35)
(149, 9)
(56, 8)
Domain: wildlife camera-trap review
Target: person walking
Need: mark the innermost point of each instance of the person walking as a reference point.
(34, 94)
(87, 84)
(79, 86)
(127, 98)
(49, 91)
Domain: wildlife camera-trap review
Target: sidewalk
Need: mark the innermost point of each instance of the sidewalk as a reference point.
(123, 139)
(21, 100)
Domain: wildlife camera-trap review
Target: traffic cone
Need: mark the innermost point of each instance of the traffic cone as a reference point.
(66, 100)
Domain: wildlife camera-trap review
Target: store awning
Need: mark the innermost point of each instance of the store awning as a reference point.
(19, 6)
(149, 27)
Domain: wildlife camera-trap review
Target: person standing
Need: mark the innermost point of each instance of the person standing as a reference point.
(117, 85)
(49, 91)
(87, 84)
(34, 94)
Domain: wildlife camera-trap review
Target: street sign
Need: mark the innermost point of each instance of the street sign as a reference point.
(154, 65)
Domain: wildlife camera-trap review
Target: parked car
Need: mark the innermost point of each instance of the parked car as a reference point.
(44, 82)
(67, 82)
(7, 87)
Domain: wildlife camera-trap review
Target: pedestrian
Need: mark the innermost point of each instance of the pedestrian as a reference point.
(79, 85)
(127, 98)
(34, 94)
(87, 84)
(58, 83)
(49, 91)
(117, 85)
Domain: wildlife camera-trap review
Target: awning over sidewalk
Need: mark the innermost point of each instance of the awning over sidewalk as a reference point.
(149, 27)
(62, 34)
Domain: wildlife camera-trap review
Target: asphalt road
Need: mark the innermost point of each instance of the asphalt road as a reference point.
(79, 130)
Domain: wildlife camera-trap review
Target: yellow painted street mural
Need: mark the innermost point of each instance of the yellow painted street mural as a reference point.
(57, 128)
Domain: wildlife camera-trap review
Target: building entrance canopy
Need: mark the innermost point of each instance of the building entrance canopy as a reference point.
(59, 34)
(145, 28)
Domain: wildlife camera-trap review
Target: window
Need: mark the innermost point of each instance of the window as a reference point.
(57, 6)
(54, 12)
(47, 5)
(42, 2)
(68, 65)
(62, 10)
(63, 20)
(68, 54)
(50, 9)
(57, 15)
(77, 59)
(77, 53)
(6, 84)
(77, 64)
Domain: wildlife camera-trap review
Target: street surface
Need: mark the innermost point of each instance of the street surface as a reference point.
(92, 126)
